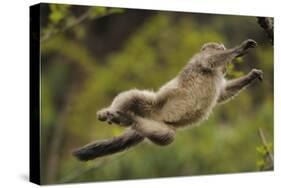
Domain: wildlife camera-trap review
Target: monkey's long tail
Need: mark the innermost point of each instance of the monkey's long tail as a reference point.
(101, 148)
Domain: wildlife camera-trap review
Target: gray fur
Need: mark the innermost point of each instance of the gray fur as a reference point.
(186, 100)
(100, 148)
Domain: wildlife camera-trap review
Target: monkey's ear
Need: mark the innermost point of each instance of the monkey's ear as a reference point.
(203, 48)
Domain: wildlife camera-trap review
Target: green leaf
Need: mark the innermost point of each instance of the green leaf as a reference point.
(269, 146)
(260, 163)
(117, 10)
(261, 150)
(58, 12)
(239, 60)
(56, 16)
(97, 11)
(100, 10)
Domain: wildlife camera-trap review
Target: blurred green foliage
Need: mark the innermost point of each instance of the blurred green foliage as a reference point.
(78, 79)
(263, 162)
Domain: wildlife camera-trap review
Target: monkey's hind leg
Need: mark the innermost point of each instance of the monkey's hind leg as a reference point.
(233, 87)
(125, 104)
(157, 132)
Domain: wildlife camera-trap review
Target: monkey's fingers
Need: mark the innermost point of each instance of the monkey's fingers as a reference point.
(260, 78)
(257, 74)
(115, 117)
(250, 43)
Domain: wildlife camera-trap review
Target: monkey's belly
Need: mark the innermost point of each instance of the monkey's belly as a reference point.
(179, 113)
(189, 119)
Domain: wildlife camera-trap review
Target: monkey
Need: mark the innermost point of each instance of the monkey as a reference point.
(186, 100)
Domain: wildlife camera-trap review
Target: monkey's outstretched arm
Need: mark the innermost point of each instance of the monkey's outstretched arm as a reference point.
(223, 57)
(233, 87)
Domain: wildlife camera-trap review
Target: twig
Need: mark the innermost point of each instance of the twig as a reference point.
(80, 19)
(265, 144)
(78, 173)
(75, 22)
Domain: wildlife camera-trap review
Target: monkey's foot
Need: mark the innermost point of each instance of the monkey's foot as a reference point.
(257, 74)
(117, 117)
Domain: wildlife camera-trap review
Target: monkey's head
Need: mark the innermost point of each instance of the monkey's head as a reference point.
(213, 46)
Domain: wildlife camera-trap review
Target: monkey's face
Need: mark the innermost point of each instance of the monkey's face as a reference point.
(212, 46)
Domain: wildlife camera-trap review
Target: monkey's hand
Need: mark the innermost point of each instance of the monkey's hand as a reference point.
(117, 117)
(242, 49)
(249, 44)
(256, 74)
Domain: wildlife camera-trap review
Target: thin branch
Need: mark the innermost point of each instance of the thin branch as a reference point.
(78, 173)
(265, 144)
(77, 21)
(66, 27)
